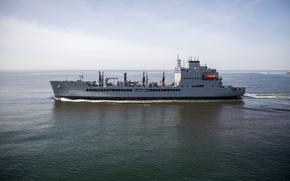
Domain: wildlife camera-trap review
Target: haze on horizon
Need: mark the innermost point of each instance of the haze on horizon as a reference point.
(124, 34)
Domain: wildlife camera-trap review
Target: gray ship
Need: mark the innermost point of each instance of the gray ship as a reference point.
(192, 82)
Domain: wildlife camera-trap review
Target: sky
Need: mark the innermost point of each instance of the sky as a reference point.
(127, 34)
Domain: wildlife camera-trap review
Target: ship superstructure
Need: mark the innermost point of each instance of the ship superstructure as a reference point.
(191, 82)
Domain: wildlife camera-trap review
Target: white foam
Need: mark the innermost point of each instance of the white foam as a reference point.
(273, 73)
(141, 101)
(266, 73)
(269, 95)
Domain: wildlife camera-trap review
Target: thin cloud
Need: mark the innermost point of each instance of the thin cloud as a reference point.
(39, 46)
(144, 35)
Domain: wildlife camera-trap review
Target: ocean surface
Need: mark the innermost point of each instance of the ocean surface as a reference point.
(45, 139)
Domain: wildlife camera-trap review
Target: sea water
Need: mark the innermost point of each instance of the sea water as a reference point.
(46, 139)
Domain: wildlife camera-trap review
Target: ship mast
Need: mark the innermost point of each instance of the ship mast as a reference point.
(146, 79)
(163, 79)
(125, 79)
(81, 76)
(143, 79)
(100, 78)
(178, 61)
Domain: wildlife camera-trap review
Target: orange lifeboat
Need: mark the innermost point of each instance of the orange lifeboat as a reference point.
(210, 77)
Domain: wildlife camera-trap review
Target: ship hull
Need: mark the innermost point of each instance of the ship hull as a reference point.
(81, 90)
(148, 98)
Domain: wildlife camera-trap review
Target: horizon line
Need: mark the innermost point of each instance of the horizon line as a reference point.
(44, 70)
